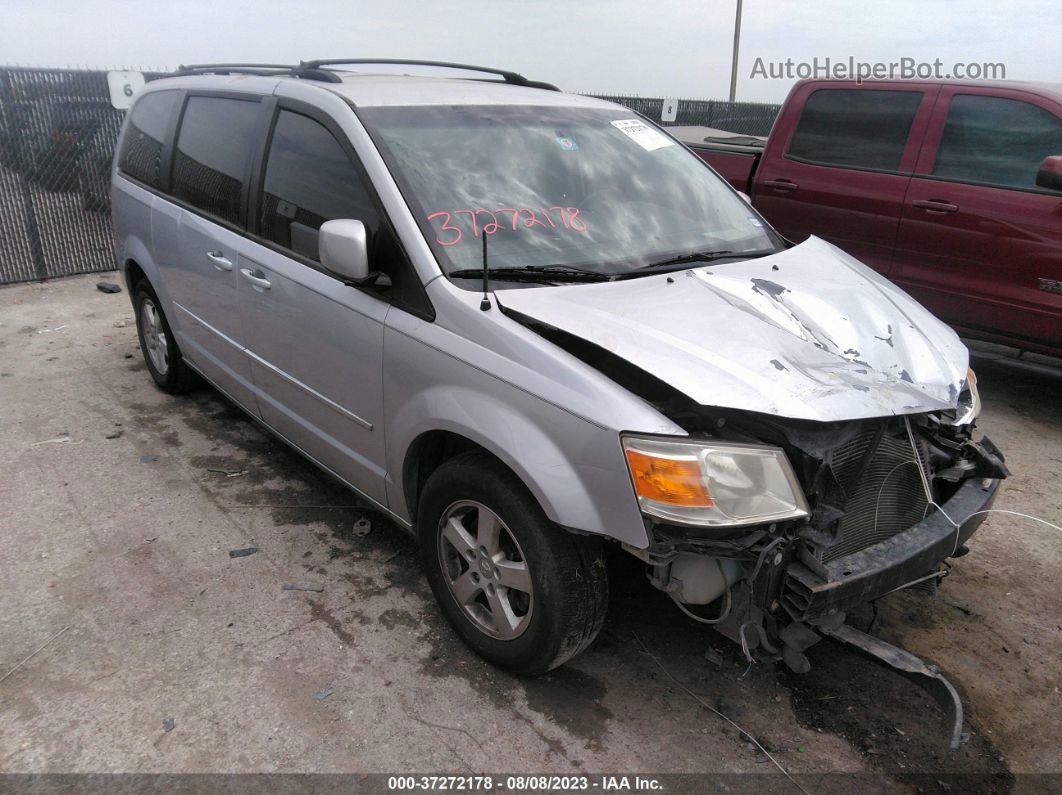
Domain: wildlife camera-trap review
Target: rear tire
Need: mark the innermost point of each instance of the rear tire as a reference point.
(161, 354)
(521, 592)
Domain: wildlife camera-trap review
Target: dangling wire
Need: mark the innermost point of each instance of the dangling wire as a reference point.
(1012, 513)
(958, 525)
(885, 482)
(921, 471)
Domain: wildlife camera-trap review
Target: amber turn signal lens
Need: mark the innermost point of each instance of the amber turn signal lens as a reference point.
(667, 480)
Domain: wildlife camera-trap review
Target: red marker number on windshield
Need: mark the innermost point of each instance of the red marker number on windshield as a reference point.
(456, 222)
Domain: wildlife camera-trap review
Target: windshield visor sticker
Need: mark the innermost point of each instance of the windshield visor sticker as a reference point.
(452, 226)
(642, 134)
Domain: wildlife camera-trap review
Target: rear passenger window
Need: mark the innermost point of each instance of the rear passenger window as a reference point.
(149, 120)
(856, 128)
(996, 141)
(213, 151)
(309, 180)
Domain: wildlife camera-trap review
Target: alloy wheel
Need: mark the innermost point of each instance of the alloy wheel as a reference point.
(485, 569)
(155, 341)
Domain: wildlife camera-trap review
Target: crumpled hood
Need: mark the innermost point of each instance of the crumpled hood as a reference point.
(809, 333)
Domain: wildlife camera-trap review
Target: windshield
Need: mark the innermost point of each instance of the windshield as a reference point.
(591, 189)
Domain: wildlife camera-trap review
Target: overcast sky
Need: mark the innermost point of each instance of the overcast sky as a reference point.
(646, 47)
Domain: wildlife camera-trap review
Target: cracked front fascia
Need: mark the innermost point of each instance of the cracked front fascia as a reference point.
(809, 333)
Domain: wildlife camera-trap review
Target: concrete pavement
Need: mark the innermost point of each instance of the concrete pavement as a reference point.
(119, 506)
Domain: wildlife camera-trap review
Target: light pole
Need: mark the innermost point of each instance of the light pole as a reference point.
(734, 66)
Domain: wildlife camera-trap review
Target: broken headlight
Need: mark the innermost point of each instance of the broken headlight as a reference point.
(969, 404)
(715, 484)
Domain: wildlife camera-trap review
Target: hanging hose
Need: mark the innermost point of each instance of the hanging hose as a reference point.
(727, 603)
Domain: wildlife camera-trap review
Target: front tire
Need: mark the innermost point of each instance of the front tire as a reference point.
(161, 354)
(521, 592)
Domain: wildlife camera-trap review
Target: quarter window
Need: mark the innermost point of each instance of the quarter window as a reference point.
(309, 180)
(855, 128)
(996, 141)
(141, 155)
(213, 151)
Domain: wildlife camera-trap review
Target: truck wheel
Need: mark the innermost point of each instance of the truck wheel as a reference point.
(161, 354)
(522, 593)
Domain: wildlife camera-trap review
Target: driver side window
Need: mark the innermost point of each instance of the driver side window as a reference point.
(309, 180)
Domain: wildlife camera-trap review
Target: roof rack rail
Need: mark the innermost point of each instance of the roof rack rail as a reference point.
(509, 77)
(224, 68)
(263, 69)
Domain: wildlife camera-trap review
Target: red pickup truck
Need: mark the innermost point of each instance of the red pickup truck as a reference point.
(953, 190)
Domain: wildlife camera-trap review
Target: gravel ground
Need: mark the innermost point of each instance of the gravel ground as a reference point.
(120, 506)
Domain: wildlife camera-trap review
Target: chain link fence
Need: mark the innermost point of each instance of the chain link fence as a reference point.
(747, 118)
(57, 136)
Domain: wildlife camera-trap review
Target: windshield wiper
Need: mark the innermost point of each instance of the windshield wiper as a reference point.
(706, 257)
(534, 273)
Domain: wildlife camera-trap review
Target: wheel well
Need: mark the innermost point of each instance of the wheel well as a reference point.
(428, 452)
(134, 274)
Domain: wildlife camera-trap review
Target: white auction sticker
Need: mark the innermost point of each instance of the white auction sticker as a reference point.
(642, 134)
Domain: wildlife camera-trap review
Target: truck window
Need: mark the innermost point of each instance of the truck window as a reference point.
(309, 180)
(213, 150)
(856, 128)
(141, 154)
(996, 141)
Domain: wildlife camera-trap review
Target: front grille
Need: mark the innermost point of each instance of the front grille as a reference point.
(880, 488)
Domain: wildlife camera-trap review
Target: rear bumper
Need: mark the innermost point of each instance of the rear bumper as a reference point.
(873, 572)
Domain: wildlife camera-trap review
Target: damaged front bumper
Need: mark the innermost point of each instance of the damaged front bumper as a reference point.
(890, 502)
(868, 574)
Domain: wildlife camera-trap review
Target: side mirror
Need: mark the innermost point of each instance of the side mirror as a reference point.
(344, 249)
(1050, 174)
(744, 196)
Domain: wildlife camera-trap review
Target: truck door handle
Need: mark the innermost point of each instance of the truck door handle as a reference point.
(257, 281)
(784, 185)
(219, 260)
(935, 206)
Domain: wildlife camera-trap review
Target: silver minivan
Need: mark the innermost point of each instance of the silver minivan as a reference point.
(529, 326)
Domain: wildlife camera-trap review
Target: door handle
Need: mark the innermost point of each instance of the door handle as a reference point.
(935, 206)
(257, 281)
(783, 185)
(219, 260)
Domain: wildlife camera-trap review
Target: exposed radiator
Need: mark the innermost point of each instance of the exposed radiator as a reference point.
(877, 472)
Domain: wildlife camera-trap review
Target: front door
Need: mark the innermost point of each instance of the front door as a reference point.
(980, 244)
(315, 344)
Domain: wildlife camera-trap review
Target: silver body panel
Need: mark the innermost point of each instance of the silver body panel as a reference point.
(315, 348)
(808, 333)
(353, 381)
(208, 319)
